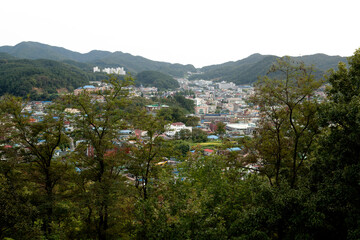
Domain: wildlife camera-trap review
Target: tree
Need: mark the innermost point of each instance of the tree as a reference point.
(147, 151)
(198, 135)
(335, 173)
(98, 123)
(288, 126)
(33, 145)
(172, 114)
(183, 134)
(192, 121)
(220, 128)
(146, 160)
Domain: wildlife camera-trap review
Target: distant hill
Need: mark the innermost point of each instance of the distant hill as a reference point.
(133, 64)
(247, 71)
(43, 79)
(156, 79)
(244, 71)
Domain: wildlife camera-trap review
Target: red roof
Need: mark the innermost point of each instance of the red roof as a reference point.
(178, 124)
(208, 150)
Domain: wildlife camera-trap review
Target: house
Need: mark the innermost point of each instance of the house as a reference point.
(87, 88)
(208, 152)
(234, 149)
(213, 137)
(173, 128)
(154, 107)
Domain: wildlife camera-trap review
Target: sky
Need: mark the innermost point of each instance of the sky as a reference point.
(198, 32)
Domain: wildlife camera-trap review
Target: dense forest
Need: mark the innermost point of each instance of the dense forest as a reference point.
(41, 79)
(296, 178)
(156, 79)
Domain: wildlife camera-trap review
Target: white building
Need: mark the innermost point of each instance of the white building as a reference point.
(226, 85)
(118, 70)
(173, 128)
(242, 128)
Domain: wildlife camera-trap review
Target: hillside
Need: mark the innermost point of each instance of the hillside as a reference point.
(156, 79)
(42, 79)
(248, 70)
(133, 64)
(245, 71)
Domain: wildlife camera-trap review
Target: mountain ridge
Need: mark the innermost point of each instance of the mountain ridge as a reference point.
(131, 63)
(243, 71)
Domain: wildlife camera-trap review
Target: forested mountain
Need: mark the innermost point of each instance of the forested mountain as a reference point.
(39, 78)
(247, 70)
(133, 64)
(21, 77)
(156, 79)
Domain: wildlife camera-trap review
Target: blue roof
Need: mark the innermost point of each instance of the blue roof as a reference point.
(125, 131)
(234, 149)
(88, 86)
(213, 137)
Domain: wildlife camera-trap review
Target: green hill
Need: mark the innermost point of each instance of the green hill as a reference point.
(133, 64)
(247, 71)
(42, 79)
(156, 79)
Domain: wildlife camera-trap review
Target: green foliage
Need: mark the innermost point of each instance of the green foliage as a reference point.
(182, 147)
(178, 101)
(288, 127)
(220, 128)
(32, 150)
(171, 114)
(156, 79)
(100, 180)
(198, 135)
(335, 173)
(39, 78)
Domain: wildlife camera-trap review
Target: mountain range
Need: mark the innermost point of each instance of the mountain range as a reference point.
(132, 64)
(244, 71)
(247, 71)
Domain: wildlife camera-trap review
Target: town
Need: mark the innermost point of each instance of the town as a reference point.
(214, 102)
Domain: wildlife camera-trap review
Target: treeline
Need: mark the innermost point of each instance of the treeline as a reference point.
(296, 178)
(42, 79)
(156, 79)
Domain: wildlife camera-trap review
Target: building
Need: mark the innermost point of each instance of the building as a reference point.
(87, 88)
(154, 107)
(173, 128)
(227, 85)
(96, 69)
(241, 128)
(118, 70)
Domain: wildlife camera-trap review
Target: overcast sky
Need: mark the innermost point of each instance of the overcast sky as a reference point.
(198, 32)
